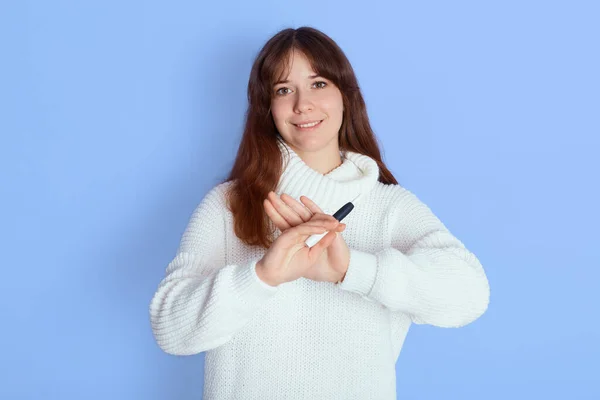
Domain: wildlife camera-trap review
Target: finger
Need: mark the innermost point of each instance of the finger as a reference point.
(318, 224)
(318, 249)
(310, 205)
(277, 219)
(299, 208)
(327, 221)
(284, 210)
(326, 224)
(324, 218)
(305, 230)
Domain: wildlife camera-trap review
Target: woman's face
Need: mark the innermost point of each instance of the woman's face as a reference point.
(307, 109)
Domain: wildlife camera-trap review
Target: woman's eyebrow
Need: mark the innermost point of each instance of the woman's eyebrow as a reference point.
(309, 77)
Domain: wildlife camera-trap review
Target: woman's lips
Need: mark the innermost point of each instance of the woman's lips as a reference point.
(308, 126)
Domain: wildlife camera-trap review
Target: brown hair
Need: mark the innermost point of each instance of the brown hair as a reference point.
(258, 164)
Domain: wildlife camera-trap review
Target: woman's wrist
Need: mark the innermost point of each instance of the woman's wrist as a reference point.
(341, 278)
(342, 275)
(263, 275)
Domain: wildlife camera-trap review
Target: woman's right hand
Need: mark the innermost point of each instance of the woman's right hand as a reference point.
(289, 258)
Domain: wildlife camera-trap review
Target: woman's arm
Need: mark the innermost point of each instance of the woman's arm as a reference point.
(201, 303)
(427, 273)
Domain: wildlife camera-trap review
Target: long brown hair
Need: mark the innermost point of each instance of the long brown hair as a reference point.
(258, 164)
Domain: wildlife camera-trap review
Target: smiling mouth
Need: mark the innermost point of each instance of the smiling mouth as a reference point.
(308, 125)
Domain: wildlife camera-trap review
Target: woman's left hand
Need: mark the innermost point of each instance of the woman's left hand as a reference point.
(286, 212)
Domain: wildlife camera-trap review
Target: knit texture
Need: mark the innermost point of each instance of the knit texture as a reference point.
(306, 339)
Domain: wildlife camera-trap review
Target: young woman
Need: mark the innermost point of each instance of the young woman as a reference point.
(281, 320)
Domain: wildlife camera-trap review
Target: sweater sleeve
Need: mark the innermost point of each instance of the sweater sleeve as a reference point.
(202, 302)
(427, 273)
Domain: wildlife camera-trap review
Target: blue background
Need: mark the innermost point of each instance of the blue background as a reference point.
(118, 117)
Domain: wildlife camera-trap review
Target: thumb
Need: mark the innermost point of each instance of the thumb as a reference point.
(318, 248)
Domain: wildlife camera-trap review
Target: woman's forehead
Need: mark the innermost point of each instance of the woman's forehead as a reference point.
(294, 60)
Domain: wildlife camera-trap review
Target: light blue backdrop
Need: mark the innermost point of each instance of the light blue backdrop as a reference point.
(117, 117)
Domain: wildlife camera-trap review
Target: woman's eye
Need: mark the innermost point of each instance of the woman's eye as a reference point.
(281, 91)
(320, 84)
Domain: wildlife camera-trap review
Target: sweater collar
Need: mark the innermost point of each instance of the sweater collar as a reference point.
(357, 174)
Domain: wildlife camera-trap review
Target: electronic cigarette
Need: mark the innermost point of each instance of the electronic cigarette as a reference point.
(339, 215)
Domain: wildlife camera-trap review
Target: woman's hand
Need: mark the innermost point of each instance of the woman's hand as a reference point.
(289, 258)
(286, 213)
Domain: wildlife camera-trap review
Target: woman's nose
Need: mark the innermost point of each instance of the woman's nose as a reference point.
(303, 103)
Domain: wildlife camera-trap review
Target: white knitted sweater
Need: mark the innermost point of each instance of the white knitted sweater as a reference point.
(306, 339)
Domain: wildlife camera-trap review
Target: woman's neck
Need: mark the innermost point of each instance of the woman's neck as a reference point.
(357, 174)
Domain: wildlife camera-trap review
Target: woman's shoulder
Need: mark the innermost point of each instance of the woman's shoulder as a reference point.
(219, 191)
(387, 193)
(395, 196)
(216, 198)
